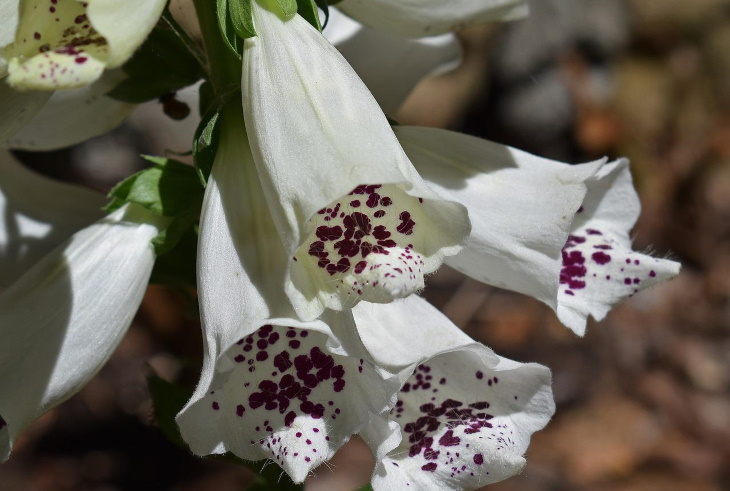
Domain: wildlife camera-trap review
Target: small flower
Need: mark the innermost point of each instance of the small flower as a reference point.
(356, 219)
(417, 18)
(64, 317)
(64, 44)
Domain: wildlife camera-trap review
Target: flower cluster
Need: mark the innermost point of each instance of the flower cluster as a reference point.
(319, 222)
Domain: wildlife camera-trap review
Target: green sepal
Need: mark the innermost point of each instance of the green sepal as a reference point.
(288, 7)
(205, 143)
(163, 64)
(308, 10)
(170, 189)
(241, 14)
(227, 29)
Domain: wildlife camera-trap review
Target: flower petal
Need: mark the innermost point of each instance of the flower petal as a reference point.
(522, 206)
(288, 394)
(318, 139)
(9, 15)
(18, 108)
(390, 66)
(62, 319)
(417, 18)
(258, 396)
(73, 116)
(466, 418)
(599, 269)
(36, 215)
(68, 43)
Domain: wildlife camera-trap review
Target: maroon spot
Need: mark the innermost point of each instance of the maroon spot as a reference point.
(478, 459)
(601, 257)
(652, 273)
(407, 223)
(430, 467)
(240, 410)
(289, 419)
(215, 406)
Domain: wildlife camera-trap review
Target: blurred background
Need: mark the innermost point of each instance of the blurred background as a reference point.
(643, 400)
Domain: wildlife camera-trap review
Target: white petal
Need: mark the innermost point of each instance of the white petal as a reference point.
(73, 116)
(390, 66)
(240, 276)
(318, 137)
(124, 24)
(417, 18)
(36, 215)
(599, 269)
(68, 44)
(466, 418)
(9, 14)
(288, 394)
(17, 108)
(521, 206)
(62, 320)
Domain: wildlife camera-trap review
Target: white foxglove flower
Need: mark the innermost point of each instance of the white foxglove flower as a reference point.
(356, 219)
(69, 117)
(417, 18)
(464, 416)
(529, 238)
(390, 65)
(271, 386)
(36, 215)
(63, 44)
(63, 319)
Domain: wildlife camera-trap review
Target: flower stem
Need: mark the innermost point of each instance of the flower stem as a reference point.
(224, 67)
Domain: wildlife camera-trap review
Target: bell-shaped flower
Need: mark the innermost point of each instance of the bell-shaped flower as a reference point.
(390, 65)
(464, 415)
(271, 386)
(356, 219)
(63, 44)
(528, 237)
(64, 317)
(36, 215)
(417, 18)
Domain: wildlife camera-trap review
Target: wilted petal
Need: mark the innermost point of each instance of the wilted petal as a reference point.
(36, 215)
(68, 43)
(62, 320)
(390, 66)
(464, 417)
(356, 219)
(599, 269)
(417, 18)
(290, 391)
(521, 206)
(73, 116)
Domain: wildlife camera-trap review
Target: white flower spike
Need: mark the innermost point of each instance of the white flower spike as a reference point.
(63, 319)
(64, 44)
(356, 219)
(36, 215)
(418, 18)
(464, 415)
(271, 386)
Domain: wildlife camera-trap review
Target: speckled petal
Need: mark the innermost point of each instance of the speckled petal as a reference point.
(465, 418)
(36, 215)
(74, 116)
(321, 142)
(417, 18)
(390, 66)
(63, 319)
(599, 268)
(521, 206)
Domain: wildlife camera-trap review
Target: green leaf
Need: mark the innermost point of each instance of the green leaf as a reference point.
(162, 65)
(366, 487)
(289, 7)
(205, 143)
(308, 10)
(228, 32)
(242, 17)
(176, 268)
